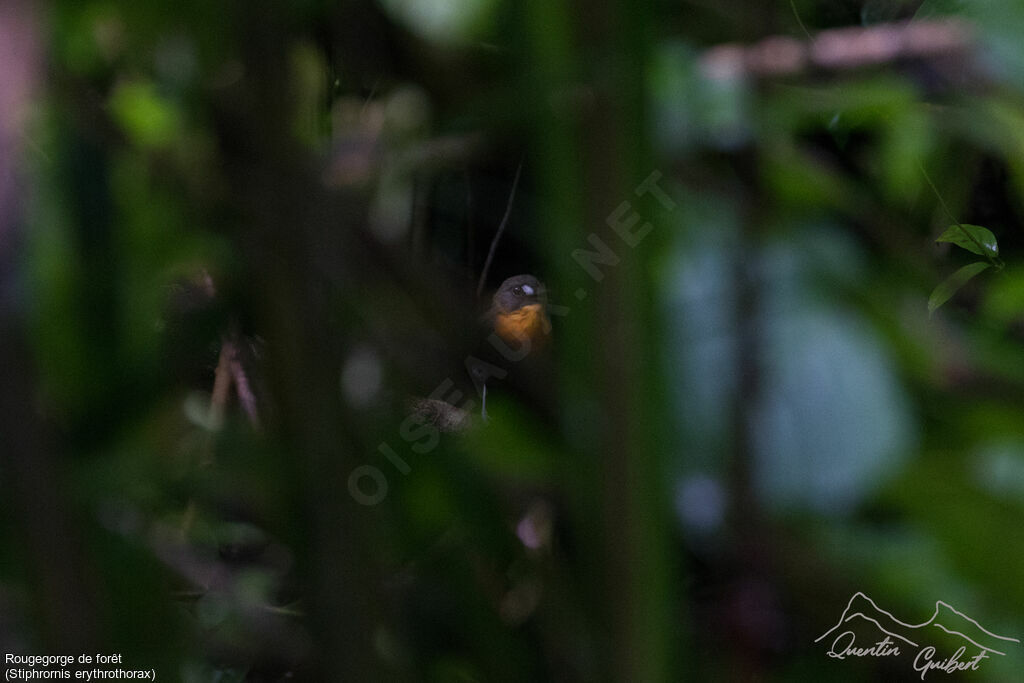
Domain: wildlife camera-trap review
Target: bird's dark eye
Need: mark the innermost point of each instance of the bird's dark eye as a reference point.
(518, 291)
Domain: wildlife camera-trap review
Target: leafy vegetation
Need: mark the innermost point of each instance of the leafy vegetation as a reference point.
(240, 250)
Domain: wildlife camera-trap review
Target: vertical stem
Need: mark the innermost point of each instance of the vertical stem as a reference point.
(65, 599)
(614, 481)
(290, 232)
(746, 519)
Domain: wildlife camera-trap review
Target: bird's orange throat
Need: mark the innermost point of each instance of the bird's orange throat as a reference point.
(529, 323)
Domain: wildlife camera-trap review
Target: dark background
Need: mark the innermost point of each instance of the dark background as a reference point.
(237, 237)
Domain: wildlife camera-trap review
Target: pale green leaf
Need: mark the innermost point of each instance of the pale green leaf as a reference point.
(953, 283)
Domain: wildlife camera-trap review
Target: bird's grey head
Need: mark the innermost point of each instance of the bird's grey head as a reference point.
(518, 291)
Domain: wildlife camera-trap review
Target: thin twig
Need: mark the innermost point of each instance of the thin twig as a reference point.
(219, 396)
(800, 21)
(229, 373)
(501, 229)
(995, 262)
(214, 421)
(470, 242)
(369, 98)
(245, 396)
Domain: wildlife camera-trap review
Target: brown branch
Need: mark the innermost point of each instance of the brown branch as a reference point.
(214, 421)
(221, 385)
(246, 398)
(229, 372)
(839, 49)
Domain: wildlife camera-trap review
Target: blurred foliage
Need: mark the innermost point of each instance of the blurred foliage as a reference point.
(749, 416)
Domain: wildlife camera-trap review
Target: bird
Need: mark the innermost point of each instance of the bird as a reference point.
(519, 327)
(518, 312)
(515, 327)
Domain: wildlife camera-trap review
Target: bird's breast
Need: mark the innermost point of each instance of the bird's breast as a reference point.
(528, 322)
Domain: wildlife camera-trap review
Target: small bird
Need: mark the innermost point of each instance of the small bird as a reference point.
(515, 327)
(520, 327)
(518, 312)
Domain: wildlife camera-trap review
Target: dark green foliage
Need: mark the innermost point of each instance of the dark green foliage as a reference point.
(249, 240)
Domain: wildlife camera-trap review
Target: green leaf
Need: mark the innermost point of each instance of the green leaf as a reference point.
(512, 445)
(958, 235)
(1004, 298)
(148, 118)
(954, 282)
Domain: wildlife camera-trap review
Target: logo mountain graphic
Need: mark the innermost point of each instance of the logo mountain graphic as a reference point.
(863, 610)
